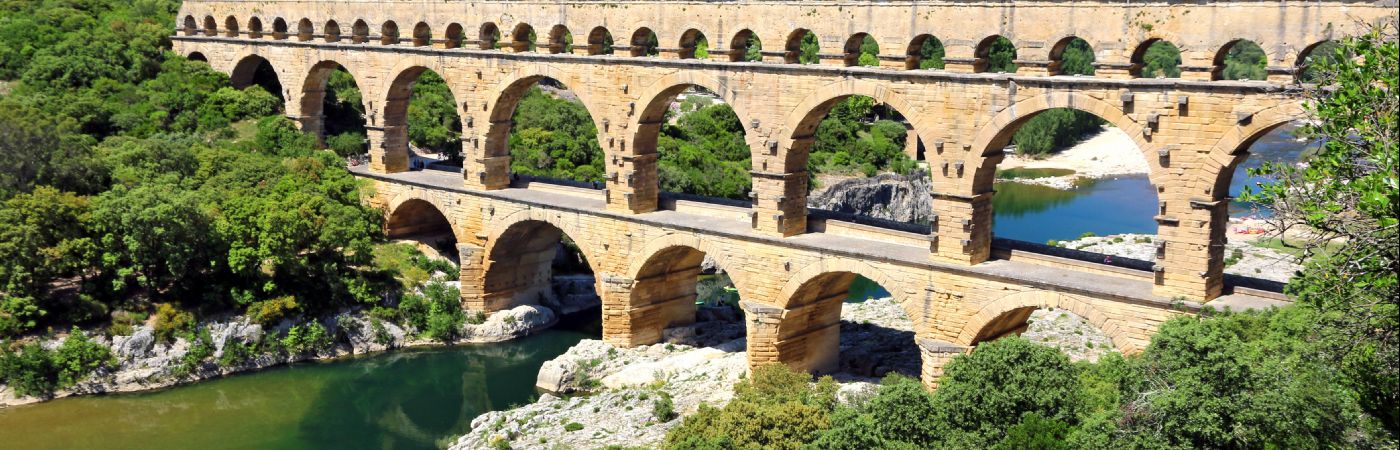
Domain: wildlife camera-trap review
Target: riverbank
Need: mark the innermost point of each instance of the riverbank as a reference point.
(631, 397)
(1246, 254)
(1110, 153)
(143, 362)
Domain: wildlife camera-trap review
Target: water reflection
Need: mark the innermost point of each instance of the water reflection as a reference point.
(406, 399)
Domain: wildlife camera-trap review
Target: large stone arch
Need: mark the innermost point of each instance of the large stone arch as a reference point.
(808, 334)
(801, 123)
(396, 97)
(1015, 307)
(996, 133)
(1218, 168)
(310, 100)
(512, 88)
(656, 98)
(515, 264)
(663, 287)
(412, 197)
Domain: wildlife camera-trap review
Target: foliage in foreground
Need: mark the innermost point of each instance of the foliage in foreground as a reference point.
(1348, 199)
(33, 370)
(1227, 380)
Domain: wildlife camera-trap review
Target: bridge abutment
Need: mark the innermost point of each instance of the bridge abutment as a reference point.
(935, 355)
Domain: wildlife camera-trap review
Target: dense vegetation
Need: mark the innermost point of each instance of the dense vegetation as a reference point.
(136, 184)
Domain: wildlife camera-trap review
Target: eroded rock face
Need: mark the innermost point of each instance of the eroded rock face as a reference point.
(572, 293)
(903, 198)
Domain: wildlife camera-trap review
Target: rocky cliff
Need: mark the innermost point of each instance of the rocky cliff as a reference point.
(902, 198)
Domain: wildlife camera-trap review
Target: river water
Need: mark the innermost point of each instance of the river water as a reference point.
(1115, 205)
(403, 399)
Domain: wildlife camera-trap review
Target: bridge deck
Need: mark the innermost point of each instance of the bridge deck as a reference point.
(1062, 279)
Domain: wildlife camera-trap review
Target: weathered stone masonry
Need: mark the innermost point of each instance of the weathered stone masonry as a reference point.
(1193, 131)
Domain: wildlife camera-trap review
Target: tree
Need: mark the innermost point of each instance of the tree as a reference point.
(1245, 61)
(1161, 59)
(984, 393)
(1077, 58)
(1347, 198)
(931, 54)
(1001, 56)
(433, 123)
(39, 150)
(808, 49)
(44, 238)
(899, 416)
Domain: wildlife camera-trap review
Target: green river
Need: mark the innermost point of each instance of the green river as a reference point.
(402, 399)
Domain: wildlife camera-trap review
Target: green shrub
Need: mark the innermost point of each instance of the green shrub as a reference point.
(663, 408)
(310, 337)
(38, 372)
(201, 349)
(573, 426)
(1087, 234)
(172, 322)
(347, 144)
(270, 312)
(777, 408)
(986, 392)
(235, 353)
(278, 135)
(476, 317)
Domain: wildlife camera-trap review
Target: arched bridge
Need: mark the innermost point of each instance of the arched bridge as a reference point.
(790, 268)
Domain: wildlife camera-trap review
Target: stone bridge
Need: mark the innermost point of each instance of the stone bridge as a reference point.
(792, 269)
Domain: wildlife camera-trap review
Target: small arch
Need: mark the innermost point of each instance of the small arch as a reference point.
(422, 35)
(1320, 51)
(211, 28)
(995, 54)
(453, 37)
(488, 36)
(389, 33)
(522, 38)
(600, 41)
(332, 31)
(197, 56)
(694, 45)
(1156, 58)
(231, 27)
(925, 52)
(191, 27)
(745, 47)
(802, 47)
(359, 32)
(255, 28)
(305, 31)
(1071, 56)
(279, 28)
(1240, 59)
(861, 50)
(561, 40)
(644, 43)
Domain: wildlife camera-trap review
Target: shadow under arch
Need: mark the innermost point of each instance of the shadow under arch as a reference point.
(313, 96)
(419, 219)
(517, 261)
(1007, 316)
(257, 70)
(665, 288)
(808, 336)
